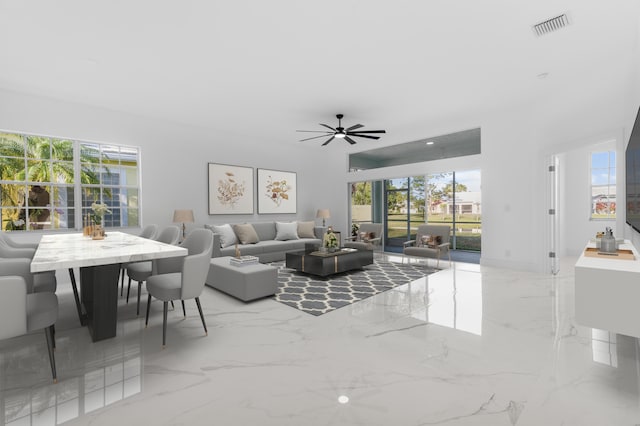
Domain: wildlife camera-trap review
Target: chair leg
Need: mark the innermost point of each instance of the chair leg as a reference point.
(139, 292)
(164, 323)
(76, 296)
(172, 305)
(49, 335)
(53, 334)
(184, 311)
(146, 321)
(204, 324)
(128, 288)
(122, 271)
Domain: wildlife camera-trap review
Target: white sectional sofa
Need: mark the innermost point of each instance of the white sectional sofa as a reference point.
(273, 240)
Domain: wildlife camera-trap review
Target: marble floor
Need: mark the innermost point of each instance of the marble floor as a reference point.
(469, 345)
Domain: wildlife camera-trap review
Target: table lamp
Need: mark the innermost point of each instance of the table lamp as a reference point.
(324, 214)
(184, 216)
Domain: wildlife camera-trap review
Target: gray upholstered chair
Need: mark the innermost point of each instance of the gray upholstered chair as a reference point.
(10, 249)
(140, 271)
(21, 312)
(432, 241)
(181, 278)
(369, 237)
(149, 232)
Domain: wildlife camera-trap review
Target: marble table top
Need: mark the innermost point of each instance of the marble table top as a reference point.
(61, 251)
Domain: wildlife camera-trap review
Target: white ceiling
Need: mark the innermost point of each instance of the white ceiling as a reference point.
(263, 69)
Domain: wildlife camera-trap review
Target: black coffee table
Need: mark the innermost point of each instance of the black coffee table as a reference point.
(325, 264)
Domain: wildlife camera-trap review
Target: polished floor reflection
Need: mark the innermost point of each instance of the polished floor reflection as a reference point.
(469, 345)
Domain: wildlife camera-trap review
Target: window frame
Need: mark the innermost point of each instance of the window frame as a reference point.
(77, 206)
(611, 167)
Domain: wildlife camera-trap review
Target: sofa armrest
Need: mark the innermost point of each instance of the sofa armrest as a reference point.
(319, 231)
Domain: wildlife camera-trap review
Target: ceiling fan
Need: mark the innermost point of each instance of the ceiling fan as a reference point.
(342, 133)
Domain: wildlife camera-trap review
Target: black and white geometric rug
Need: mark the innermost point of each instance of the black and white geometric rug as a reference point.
(317, 295)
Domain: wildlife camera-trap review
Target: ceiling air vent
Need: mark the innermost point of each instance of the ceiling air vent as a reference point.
(551, 25)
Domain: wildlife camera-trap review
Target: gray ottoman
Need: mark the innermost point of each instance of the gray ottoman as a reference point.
(246, 283)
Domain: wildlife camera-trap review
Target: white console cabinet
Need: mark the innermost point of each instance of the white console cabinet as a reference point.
(608, 292)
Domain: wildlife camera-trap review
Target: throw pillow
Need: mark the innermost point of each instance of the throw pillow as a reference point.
(371, 235)
(227, 236)
(363, 236)
(423, 241)
(246, 233)
(286, 231)
(306, 229)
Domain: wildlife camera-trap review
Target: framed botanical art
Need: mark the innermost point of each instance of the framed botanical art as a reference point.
(230, 189)
(276, 191)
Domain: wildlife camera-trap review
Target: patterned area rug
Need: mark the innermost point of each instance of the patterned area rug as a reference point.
(317, 295)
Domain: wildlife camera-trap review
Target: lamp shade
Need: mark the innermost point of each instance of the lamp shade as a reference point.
(323, 214)
(183, 216)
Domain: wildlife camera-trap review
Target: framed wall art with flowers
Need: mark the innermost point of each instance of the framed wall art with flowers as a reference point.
(276, 191)
(230, 189)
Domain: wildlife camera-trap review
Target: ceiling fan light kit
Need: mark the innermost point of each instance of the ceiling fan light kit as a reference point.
(342, 133)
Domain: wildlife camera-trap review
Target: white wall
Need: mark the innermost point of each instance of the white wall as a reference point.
(174, 157)
(515, 144)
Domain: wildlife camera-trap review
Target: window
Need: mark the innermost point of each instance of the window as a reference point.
(44, 179)
(603, 185)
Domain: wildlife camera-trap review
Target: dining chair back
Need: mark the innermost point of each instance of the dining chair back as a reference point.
(21, 312)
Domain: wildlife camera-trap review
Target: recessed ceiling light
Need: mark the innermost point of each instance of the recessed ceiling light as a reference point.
(343, 399)
(543, 75)
(430, 143)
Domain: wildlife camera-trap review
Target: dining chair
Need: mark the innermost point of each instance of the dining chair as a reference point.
(149, 232)
(181, 278)
(22, 312)
(140, 271)
(10, 249)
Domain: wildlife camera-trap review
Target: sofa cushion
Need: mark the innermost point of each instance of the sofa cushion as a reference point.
(306, 229)
(265, 230)
(246, 233)
(286, 231)
(227, 236)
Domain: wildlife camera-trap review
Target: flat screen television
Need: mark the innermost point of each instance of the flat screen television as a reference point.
(632, 173)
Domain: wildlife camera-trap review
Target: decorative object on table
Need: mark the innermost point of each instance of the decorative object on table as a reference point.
(99, 210)
(237, 251)
(276, 192)
(184, 217)
(354, 229)
(323, 214)
(230, 189)
(243, 260)
(331, 241)
(608, 242)
(317, 295)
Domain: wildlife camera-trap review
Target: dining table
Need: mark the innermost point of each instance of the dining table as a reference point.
(99, 264)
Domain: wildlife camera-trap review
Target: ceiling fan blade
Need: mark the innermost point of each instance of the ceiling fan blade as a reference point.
(357, 126)
(348, 139)
(330, 139)
(364, 136)
(371, 131)
(314, 131)
(328, 127)
(314, 137)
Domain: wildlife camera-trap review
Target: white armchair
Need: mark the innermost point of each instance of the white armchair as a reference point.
(432, 241)
(369, 237)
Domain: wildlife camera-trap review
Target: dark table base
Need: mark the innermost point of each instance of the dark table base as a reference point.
(99, 295)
